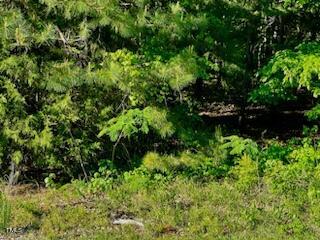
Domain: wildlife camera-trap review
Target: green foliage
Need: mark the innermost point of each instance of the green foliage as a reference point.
(50, 181)
(135, 121)
(239, 146)
(299, 173)
(198, 166)
(309, 5)
(5, 212)
(287, 71)
(83, 81)
(246, 173)
(314, 113)
(109, 92)
(167, 208)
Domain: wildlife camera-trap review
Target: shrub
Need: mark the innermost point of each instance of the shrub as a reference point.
(246, 173)
(237, 146)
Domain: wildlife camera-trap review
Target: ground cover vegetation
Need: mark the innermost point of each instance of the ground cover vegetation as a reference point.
(106, 105)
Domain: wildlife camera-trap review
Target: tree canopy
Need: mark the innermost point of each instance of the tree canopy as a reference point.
(80, 79)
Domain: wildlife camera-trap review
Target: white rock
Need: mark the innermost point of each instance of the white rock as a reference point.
(122, 221)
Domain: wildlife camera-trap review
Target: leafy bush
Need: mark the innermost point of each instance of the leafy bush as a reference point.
(186, 164)
(135, 121)
(288, 71)
(246, 173)
(237, 146)
(298, 173)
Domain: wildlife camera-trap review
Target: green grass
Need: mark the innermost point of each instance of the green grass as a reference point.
(5, 212)
(180, 209)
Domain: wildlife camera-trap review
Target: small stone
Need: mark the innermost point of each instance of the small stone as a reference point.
(122, 221)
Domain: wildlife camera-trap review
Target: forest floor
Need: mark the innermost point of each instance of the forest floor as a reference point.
(180, 209)
(259, 122)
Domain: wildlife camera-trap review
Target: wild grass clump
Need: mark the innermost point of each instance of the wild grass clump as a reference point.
(5, 212)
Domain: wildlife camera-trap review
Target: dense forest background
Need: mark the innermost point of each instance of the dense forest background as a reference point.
(89, 85)
(159, 119)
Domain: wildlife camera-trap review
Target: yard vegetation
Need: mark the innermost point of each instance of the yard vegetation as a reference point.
(159, 119)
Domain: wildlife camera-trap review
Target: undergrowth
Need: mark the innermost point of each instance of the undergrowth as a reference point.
(234, 189)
